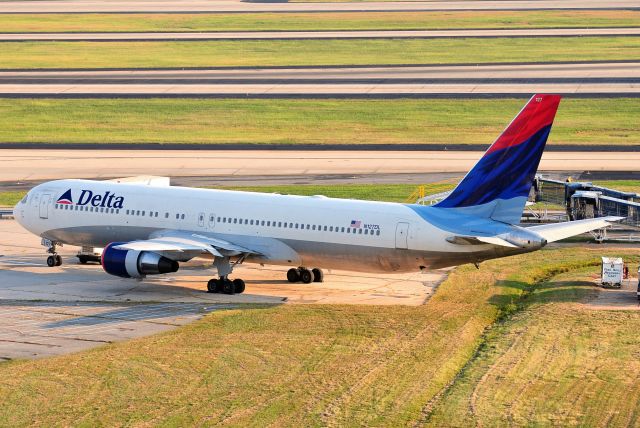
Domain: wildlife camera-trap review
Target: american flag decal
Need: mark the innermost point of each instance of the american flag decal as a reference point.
(356, 223)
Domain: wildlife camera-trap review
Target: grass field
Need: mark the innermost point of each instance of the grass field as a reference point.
(228, 53)
(219, 121)
(291, 365)
(556, 363)
(372, 192)
(16, 23)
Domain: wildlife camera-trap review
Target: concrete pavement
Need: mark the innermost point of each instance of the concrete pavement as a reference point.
(49, 311)
(296, 35)
(182, 6)
(604, 78)
(35, 165)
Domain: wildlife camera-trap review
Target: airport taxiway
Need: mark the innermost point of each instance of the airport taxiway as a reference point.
(183, 6)
(302, 35)
(579, 78)
(47, 311)
(44, 164)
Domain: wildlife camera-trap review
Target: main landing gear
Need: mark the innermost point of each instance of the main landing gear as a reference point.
(54, 259)
(223, 284)
(302, 274)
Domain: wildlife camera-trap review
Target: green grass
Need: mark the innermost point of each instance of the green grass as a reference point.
(624, 185)
(293, 365)
(557, 363)
(227, 53)
(219, 121)
(314, 21)
(372, 192)
(10, 199)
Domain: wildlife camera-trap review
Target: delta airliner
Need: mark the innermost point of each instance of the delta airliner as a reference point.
(148, 230)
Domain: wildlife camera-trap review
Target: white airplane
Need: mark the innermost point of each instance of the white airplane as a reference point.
(147, 230)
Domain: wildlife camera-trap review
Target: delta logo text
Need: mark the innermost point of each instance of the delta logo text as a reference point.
(87, 197)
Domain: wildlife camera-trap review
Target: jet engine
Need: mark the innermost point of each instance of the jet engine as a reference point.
(135, 264)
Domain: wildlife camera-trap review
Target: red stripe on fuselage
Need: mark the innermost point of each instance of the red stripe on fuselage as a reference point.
(538, 113)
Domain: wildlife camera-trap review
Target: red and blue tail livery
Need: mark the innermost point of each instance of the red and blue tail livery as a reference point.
(507, 169)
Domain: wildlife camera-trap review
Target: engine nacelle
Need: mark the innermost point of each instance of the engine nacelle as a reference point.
(135, 264)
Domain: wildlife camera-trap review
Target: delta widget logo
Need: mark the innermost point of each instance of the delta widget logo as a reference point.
(87, 197)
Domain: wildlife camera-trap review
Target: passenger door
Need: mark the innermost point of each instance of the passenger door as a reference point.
(44, 205)
(201, 219)
(402, 231)
(212, 220)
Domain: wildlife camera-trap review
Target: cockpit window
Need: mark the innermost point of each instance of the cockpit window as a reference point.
(24, 200)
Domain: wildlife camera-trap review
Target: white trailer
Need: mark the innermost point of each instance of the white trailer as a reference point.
(612, 271)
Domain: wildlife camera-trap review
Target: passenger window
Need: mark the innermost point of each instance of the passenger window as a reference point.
(378, 232)
(360, 231)
(182, 216)
(262, 223)
(268, 223)
(279, 224)
(325, 228)
(314, 227)
(343, 230)
(296, 225)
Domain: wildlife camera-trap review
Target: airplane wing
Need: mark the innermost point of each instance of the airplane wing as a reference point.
(174, 245)
(557, 231)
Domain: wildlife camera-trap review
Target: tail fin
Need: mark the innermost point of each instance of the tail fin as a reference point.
(499, 184)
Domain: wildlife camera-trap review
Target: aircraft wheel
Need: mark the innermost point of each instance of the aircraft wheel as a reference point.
(228, 287)
(58, 260)
(318, 275)
(51, 261)
(212, 286)
(83, 260)
(306, 276)
(293, 275)
(239, 285)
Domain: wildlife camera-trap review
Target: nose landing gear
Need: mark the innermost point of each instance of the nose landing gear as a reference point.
(54, 259)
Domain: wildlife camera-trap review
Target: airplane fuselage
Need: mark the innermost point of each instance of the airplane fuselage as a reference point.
(284, 229)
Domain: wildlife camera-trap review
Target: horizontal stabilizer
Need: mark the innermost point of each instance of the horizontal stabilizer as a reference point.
(480, 240)
(557, 231)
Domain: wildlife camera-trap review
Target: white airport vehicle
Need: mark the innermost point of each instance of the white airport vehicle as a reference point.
(148, 229)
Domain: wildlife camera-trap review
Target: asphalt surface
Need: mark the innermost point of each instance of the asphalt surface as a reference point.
(190, 6)
(302, 35)
(50, 311)
(252, 166)
(578, 79)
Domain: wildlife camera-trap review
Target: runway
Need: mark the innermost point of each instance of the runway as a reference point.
(304, 35)
(578, 79)
(124, 6)
(38, 165)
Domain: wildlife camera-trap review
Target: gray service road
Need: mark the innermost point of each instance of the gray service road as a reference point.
(330, 90)
(183, 6)
(296, 35)
(43, 164)
(530, 72)
(610, 78)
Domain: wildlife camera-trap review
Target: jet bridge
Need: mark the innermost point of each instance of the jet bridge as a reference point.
(582, 200)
